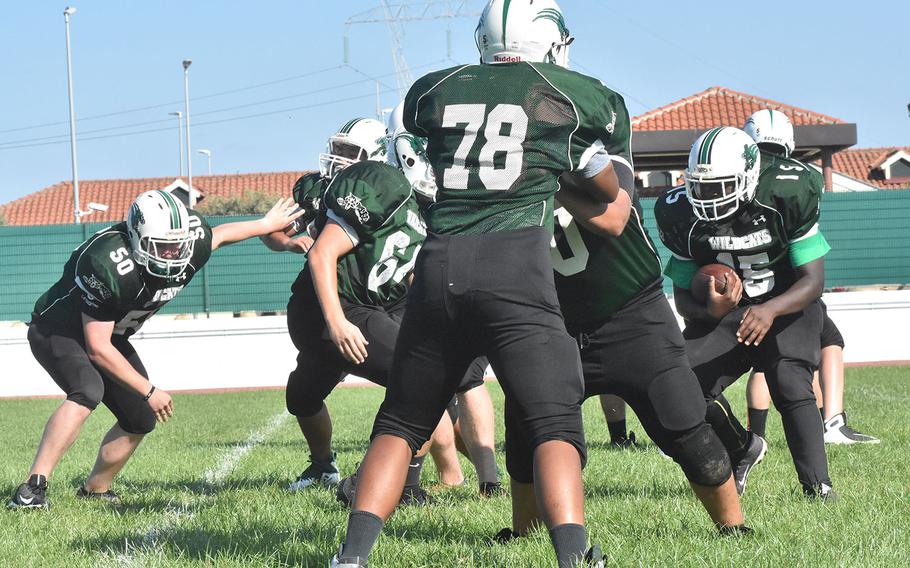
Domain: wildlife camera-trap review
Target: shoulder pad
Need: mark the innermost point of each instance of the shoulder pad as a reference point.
(674, 216)
(367, 194)
(106, 270)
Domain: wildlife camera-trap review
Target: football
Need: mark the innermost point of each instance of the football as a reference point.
(722, 274)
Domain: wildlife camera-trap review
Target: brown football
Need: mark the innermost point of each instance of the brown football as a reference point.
(722, 274)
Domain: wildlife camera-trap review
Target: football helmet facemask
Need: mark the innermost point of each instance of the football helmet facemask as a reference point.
(772, 127)
(408, 153)
(523, 30)
(358, 140)
(722, 173)
(158, 226)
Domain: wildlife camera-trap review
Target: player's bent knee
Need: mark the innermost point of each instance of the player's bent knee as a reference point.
(140, 425)
(702, 457)
(793, 382)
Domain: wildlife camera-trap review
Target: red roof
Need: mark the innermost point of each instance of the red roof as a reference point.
(54, 204)
(718, 106)
(864, 164)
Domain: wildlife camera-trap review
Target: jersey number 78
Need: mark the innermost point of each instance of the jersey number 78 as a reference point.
(473, 117)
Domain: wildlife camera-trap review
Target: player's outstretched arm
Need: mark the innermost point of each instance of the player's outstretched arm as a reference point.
(279, 216)
(810, 284)
(332, 244)
(102, 353)
(279, 241)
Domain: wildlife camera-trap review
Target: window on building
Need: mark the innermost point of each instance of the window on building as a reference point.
(660, 179)
(899, 169)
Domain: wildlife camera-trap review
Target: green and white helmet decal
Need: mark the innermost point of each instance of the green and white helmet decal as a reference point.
(357, 140)
(408, 153)
(523, 30)
(722, 173)
(769, 126)
(159, 231)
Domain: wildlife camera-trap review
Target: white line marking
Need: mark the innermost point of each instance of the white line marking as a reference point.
(136, 551)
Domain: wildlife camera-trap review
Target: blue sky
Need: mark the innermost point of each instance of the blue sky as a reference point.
(269, 77)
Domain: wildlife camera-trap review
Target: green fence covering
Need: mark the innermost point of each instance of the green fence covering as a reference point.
(869, 234)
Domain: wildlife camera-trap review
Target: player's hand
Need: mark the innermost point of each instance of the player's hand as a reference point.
(720, 305)
(756, 322)
(161, 404)
(281, 215)
(349, 340)
(300, 245)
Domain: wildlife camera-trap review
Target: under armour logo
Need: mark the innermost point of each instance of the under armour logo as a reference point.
(353, 202)
(180, 277)
(760, 220)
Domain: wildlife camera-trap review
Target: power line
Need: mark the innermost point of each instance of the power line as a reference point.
(625, 95)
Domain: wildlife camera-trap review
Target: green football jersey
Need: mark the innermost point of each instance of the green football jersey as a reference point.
(596, 275)
(102, 280)
(374, 204)
(764, 242)
(307, 192)
(499, 136)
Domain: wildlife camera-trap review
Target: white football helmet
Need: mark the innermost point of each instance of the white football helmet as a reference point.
(408, 153)
(722, 173)
(158, 226)
(523, 30)
(358, 140)
(768, 126)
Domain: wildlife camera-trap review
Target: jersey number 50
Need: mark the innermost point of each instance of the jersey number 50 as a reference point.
(473, 117)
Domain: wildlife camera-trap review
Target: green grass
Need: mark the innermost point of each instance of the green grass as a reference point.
(639, 506)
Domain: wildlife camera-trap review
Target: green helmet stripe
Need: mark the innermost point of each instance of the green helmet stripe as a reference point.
(172, 205)
(349, 125)
(505, 17)
(704, 153)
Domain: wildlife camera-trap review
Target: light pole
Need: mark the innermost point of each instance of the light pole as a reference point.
(179, 116)
(207, 154)
(186, 110)
(69, 11)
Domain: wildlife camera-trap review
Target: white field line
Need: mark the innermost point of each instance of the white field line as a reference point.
(149, 541)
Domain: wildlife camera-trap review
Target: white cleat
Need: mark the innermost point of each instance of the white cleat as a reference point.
(837, 432)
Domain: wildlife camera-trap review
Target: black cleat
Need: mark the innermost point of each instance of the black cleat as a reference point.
(735, 530)
(31, 495)
(413, 495)
(318, 473)
(625, 442)
(344, 491)
(504, 536)
(594, 558)
(108, 495)
(491, 489)
(756, 452)
(823, 492)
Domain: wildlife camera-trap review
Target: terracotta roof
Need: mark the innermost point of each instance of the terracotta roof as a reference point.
(54, 204)
(864, 163)
(718, 106)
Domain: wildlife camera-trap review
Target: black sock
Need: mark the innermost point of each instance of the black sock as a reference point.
(414, 469)
(617, 430)
(363, 530)
(758, 419)
(731, 433)
(570, 542)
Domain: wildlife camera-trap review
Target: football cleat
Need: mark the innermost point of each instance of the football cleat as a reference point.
(734, 530)
(108, 495)
(837, 432)
(756, 452)
(31, 495)
(823, 492)
(413, 495)
(491, 489)
(504, 536)
(339, 561)
(625, 442)
(319, 473)
(347, 488)
(594, 558)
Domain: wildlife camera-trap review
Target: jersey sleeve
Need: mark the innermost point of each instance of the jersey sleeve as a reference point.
(799, 202)
(673, 216)
(103, 290)
(202, 235)
(421, 87)
(364, 197)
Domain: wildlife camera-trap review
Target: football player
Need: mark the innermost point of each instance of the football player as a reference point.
(366, 272)
(758, 214)
(611, 294)
(499, 135)
(81, 326)
(773, 132)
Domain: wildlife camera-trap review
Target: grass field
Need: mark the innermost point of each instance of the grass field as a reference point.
(207, 489)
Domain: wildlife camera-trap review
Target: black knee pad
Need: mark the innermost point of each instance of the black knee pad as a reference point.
(302, 398)
(701, 456)
(138, 422)
(790, 382)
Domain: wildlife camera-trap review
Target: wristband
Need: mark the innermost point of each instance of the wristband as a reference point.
(151, 392)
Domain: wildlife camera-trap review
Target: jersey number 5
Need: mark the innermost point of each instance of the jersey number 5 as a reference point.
(473, 117)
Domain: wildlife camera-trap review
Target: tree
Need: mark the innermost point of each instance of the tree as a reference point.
(248, 203)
